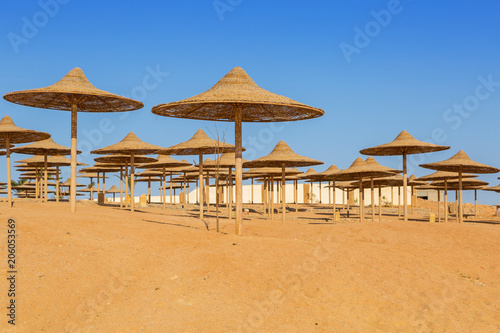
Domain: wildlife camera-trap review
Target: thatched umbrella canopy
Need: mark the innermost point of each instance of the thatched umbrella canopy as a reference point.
(467, 185)
(123, 162)
(358, 170)
(404, 145)
(11, 134)
(200, 144)
(91, 190)
(164, 162)
(282, 156)
(113, 190)
(224, 161)
(492, 188)
(130, 145)
(237, 98)
(45, 147)
(460, 163)
(101, 168)
(73, 93)
(374, 165)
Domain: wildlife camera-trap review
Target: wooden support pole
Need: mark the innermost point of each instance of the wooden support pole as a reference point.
(239, 170)
(45, 178)
(283, 196)
(380, 203)
(405, 194)
(9, 179)
(72, 199)
(361, 200)
(57, 183)
(439, 205)
(372, 198)
(334, 200)
(460, 204)
(132, 185)
(202, 191)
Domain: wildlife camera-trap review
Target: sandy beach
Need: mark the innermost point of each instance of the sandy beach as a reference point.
(107, 270)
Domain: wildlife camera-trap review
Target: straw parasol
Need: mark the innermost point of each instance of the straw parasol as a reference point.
(91, 175)
(404, 145)
(269, 173)
(11, 134)
(113, 190)
(282, 156)
(45, 147)
(226, 160)
(163, 162)
(200, 144)
(91, 190)
(329, 175)
(73, 93)
(237, 98)
(122, 161)
(468, 184)
(444, 176)
(358, 170)
(460, 163)
(130, 145)
(52, 161)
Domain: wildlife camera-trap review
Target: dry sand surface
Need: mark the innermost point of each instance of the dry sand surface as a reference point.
(108, 270)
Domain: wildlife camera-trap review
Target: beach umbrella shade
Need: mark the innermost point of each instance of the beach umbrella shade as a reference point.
(113, 190)
(163, 162)
(404, 145)
(269, 173)
(468, 184)
(358, 170)
(11, 134)
(444, 176)
(102, 168)
(90, 189)
(460, 163)
(282, 156)
(200, 144)
(123, 161)
(52, 161)
(226, 160)
(44, 148)
(130, 145)
(237, 98)
(328, 175)
(73, 93)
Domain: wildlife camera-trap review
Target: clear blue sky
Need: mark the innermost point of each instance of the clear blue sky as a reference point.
(374, 74)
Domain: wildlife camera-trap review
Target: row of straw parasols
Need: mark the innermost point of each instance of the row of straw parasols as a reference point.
(235, 98)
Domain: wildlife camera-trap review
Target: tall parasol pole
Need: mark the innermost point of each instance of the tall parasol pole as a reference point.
(132, 198)
(380, 202)
(334, 200)
(162, 190)
(45, 177)
(230, 193)
(460, 205)
(72, 189)
(57, 184)
(238, 169)
(372, 198)
(439, 205)
(445, 200)
(9, 185)
(283, 192)
(121, 186)
(361, 200)
(202, 192)
(405, 209)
